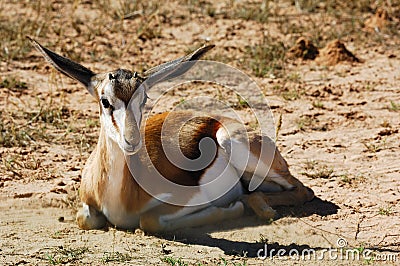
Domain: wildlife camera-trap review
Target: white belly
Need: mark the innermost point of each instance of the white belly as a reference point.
(221, 182)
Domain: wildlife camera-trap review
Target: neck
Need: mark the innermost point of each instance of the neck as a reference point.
(96, 172)
(113, 159)
(121, 186)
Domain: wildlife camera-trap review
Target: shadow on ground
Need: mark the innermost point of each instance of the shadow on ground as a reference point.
(201, 235)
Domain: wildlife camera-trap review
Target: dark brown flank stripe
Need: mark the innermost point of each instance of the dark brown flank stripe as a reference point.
(190, 135)
(114, 122)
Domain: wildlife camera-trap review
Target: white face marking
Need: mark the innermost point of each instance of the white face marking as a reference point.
(112, 118)
(119, 125)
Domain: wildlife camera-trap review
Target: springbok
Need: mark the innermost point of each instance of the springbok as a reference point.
(110, 191)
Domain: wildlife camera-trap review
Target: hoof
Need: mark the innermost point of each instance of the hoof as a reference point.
(88, 218)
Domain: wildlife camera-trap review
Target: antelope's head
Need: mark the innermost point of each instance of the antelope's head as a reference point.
(121, 94)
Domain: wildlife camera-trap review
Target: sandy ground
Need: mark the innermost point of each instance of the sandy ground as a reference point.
(339, 132)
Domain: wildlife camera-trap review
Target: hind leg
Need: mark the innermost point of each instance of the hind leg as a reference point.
(255, 155)
(258, 204)
(277, 186)
(293, 191)
(268, 194)
(261, 202)
(155, 221)
(267, 169)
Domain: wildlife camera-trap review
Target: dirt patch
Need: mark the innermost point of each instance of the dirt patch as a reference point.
(303, 49)
(335, 52)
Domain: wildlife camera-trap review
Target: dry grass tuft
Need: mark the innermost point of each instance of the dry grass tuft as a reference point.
(267, 58)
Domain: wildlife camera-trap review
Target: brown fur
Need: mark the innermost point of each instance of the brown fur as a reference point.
(94, 179)
(191, 131)
(279, 164)
(132, 195)
(125, 84)
(260, 202)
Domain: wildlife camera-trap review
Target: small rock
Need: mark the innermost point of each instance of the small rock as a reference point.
(23, 195)
(61, 184)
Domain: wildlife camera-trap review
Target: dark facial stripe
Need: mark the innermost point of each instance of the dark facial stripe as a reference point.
(114, 122)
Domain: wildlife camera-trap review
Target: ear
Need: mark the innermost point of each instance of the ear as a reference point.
(174, 68)
(66, 66)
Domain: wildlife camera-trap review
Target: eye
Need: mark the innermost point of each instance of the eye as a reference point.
(106, 104)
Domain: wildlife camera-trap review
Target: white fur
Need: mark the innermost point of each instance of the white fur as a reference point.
(219, 187)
